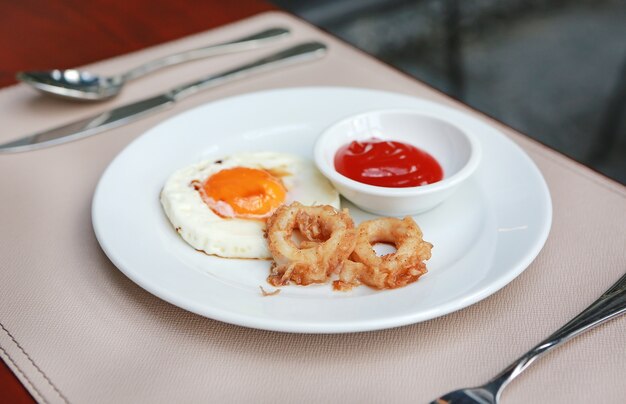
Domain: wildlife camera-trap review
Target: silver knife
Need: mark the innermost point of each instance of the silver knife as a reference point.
(137, 110)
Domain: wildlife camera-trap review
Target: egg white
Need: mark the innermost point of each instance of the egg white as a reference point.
(204, 230)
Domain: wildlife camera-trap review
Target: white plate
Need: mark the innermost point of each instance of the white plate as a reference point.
(484, 235)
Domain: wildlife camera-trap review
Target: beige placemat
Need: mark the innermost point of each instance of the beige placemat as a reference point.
(74, 329)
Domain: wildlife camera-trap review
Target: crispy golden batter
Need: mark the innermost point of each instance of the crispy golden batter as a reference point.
(390, 271)
(331, 245)
(329, 238)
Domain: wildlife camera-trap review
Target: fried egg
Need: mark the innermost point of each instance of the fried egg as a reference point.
(220, 206)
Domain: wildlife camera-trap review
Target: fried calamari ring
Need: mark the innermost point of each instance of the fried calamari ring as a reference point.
(390, 271)
(329, 238)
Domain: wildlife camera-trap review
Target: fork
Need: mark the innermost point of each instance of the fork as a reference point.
(610, 305)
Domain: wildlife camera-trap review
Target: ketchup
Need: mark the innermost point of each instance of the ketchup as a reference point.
(387, 164)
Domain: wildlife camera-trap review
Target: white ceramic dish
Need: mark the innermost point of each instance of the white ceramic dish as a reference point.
(484, 236)
(455, 149)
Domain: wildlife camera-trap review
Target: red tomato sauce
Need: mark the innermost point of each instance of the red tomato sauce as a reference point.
(387, 164)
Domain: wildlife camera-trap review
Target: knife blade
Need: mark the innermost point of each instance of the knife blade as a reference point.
(136, 110)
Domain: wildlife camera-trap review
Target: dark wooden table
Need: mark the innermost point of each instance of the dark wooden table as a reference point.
(40, 34)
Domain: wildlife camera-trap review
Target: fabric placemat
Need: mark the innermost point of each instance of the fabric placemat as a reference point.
(74, 329)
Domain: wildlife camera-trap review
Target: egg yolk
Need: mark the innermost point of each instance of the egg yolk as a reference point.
(244, 192)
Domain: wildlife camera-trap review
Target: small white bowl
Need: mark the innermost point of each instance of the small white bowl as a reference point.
(456, 150)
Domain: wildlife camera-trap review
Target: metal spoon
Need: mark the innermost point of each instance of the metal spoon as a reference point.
(610, 305)
(84, 86)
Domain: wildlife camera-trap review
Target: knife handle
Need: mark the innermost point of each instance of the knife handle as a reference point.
(295, 54)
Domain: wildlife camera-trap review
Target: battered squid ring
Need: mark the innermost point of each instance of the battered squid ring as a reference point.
(390, 271)
(329, 239)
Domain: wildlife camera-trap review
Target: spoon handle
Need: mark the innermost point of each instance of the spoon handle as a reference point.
(611, 304)
(248, 42)
(296, 54)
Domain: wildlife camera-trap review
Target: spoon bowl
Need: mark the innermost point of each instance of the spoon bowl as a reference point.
(73, 84)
